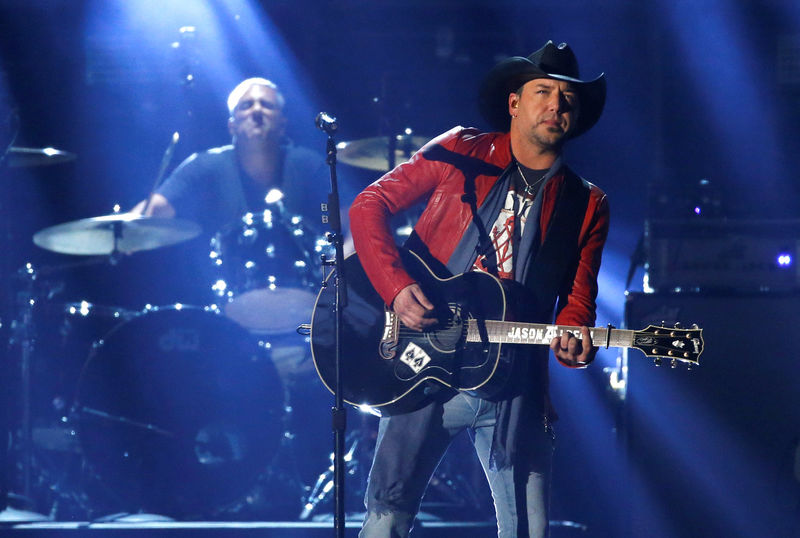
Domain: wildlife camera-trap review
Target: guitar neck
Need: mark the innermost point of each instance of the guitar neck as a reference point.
(511, 332)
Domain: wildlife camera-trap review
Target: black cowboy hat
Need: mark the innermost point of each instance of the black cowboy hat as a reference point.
(550, 61)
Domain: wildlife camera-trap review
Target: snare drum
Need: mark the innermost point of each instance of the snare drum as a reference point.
(178, 411)
(266, 272)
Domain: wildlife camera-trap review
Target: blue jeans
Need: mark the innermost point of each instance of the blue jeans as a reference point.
(521, 496)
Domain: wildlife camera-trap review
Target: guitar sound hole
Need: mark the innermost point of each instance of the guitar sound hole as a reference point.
(449, 333)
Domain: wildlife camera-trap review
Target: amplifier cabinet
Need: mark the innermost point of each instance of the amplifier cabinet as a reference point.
(723, 254)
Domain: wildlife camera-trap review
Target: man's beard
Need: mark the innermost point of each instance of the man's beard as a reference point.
(552, 143)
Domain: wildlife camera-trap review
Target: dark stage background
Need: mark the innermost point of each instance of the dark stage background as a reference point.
(701, 122)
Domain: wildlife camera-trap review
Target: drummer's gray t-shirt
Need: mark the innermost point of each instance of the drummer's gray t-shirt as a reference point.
(211, 188)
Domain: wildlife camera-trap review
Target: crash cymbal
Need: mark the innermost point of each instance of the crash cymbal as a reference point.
(19, 157)
(116, 233)
(373, 153)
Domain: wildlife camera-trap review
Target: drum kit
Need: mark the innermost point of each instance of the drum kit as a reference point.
(177, 410)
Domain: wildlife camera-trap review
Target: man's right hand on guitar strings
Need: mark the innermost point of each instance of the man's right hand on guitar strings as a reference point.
(414, 309)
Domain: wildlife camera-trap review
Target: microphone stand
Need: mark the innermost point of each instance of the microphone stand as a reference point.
(338, 413)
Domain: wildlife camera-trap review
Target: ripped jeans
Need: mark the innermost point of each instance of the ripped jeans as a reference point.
(406, 459)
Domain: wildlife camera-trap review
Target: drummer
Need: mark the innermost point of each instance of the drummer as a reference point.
(216, 187)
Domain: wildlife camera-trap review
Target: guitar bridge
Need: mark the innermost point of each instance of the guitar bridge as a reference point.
(387, 348)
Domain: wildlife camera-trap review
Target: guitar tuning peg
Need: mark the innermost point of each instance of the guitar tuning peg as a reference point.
(673, 363)
(657, 361)
(695, 326)
(677, 324)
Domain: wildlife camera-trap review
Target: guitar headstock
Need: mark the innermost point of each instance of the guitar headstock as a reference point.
(674, 343)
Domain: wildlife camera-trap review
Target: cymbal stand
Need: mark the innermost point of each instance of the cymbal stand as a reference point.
(115, 255)
(12, 124)
(339, 413)
(23, 334)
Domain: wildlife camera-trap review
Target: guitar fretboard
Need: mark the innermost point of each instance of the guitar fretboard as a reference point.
(511, 332)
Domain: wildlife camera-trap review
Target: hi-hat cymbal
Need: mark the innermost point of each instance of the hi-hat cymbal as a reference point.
(18, 156)
(122, 233)
(373, 153)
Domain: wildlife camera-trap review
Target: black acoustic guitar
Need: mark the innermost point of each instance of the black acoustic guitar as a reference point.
(390, 367)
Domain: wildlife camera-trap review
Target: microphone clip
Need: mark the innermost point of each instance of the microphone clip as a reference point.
(326, 123)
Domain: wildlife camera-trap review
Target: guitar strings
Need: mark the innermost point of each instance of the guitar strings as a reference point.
(404, 331)
(407, 332)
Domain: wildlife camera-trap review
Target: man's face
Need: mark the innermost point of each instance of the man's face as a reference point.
(257, 116)
(545, 111)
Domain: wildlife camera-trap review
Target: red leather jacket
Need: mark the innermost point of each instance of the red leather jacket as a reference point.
(446, 217)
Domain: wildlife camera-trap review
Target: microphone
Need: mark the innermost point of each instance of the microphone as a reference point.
(326, 123)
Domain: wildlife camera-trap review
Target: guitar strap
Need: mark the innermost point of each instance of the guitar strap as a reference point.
(545, 279)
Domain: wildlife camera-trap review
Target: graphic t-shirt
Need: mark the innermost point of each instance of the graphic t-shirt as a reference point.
(516, 208)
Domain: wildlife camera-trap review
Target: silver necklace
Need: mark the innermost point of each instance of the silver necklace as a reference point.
(529, 186)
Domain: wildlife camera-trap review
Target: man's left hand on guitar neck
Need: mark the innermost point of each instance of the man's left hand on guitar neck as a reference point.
(574, 352)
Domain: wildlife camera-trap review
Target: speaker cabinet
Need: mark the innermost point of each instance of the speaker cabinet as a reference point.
(714, 451)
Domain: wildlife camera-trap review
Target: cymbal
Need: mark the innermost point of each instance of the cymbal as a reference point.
(18, 156)
(373, 153)
(123, 233)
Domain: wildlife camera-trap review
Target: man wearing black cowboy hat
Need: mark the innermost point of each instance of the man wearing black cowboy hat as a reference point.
(502, 202)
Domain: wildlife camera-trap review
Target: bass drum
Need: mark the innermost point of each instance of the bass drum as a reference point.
(178, 411)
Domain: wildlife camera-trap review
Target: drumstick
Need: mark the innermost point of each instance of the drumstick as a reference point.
(165, 160)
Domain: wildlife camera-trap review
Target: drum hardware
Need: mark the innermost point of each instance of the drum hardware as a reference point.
(322, 490)
(35, 343)
(88, 411)
(18, 156)
(115, 234)
(374, 153)
(58, 469)
(56, 438)
(278, 491)
(282, 487)
(22, 335)
(17, 331)
(449, 491)
(12, 515)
